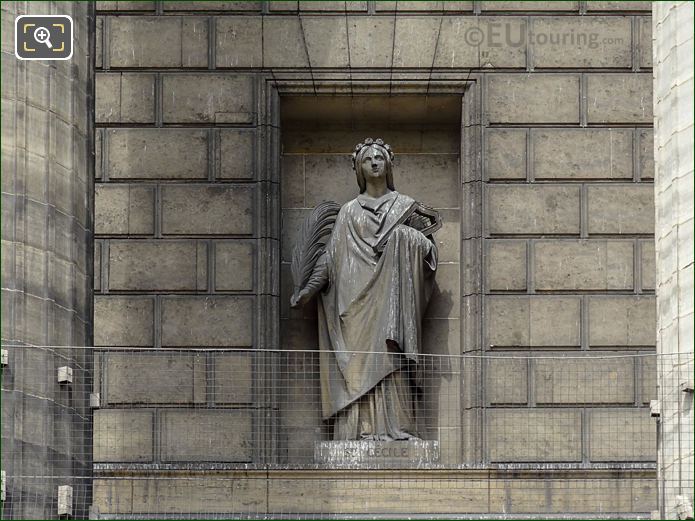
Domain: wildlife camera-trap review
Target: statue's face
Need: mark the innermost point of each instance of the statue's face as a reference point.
(373, 163)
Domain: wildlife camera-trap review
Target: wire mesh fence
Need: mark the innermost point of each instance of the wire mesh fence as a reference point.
(229, 433)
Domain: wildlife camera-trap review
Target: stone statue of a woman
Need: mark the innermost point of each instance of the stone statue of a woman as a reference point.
(374, 278)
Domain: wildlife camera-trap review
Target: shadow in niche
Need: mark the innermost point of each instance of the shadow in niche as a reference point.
(318, 136)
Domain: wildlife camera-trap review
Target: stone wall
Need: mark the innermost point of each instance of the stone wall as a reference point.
(47, 185)
(563, 259)
(673, 146)
(319, 134)
(569, 262)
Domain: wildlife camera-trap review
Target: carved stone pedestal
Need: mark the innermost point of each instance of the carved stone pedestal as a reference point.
(360, 454)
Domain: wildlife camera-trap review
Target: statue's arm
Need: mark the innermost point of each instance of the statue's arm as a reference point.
(317, 281)
(310, 259)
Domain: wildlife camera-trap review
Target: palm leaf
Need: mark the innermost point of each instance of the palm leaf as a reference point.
(311, 242)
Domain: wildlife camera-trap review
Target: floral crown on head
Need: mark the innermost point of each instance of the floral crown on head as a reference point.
(368, 143)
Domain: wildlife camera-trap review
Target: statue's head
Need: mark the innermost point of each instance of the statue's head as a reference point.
(373, 158)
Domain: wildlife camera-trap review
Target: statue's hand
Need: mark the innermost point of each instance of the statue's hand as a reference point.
(299, 300)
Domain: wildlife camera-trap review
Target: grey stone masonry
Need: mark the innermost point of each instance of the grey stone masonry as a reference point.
(673, 192)
(545, 189)
(47, 227)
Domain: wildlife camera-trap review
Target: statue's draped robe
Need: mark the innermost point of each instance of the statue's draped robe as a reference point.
(370, 317)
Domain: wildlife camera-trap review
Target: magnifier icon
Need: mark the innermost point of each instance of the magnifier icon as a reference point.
(42, 35)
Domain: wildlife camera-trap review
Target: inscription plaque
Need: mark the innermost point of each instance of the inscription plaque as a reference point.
(414, 453)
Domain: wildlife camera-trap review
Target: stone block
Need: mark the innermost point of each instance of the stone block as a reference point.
(206, 435)
(506, 381)
(439, 336)
(62, 282)
(448, 237)
(505, 154)
(61, 184)
(648, 264)
(329, 177)
(99, 43)
(234, 380)
(534, 435)
(525, 496)
(572, 496)
(208, 494)
(388, 496)
(234, 266)
(622, 321)
(533, 209)
(37, 84)
(620, 209)
(30, 270)
(645, 41)
(292, 181)
(416, 5)
(647, 383)
(507, 321)
(584, 381)
(583, 265)
(516, 98)
(291, 225)
(411, 51)
(157, 153)
(207, 209)
(371, 41)
(154, 378)
(345, 6)
(433, 179)
(225, 99)
(597, 41)
(555, 321)
(645, 153)
(180, 42)
(123, 321)
(157, 265)
(619, 98)
(326, 40)
(28, 311)
(126, 5)
(284, 5)
(8, 262)
(123, 209)
(444, 302)
(97, 266)
(207, 321)
(618, 5)
(237, 150)
(245, 6)
(239, 42)
(283, 43)
(622, 435)
(506, 265)
(300, 334)
(532, 321)
(64, 147)
(124, 98)
(582, 153)
(98, 154)
(562, 5)
(123, 436)
(112, 495)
